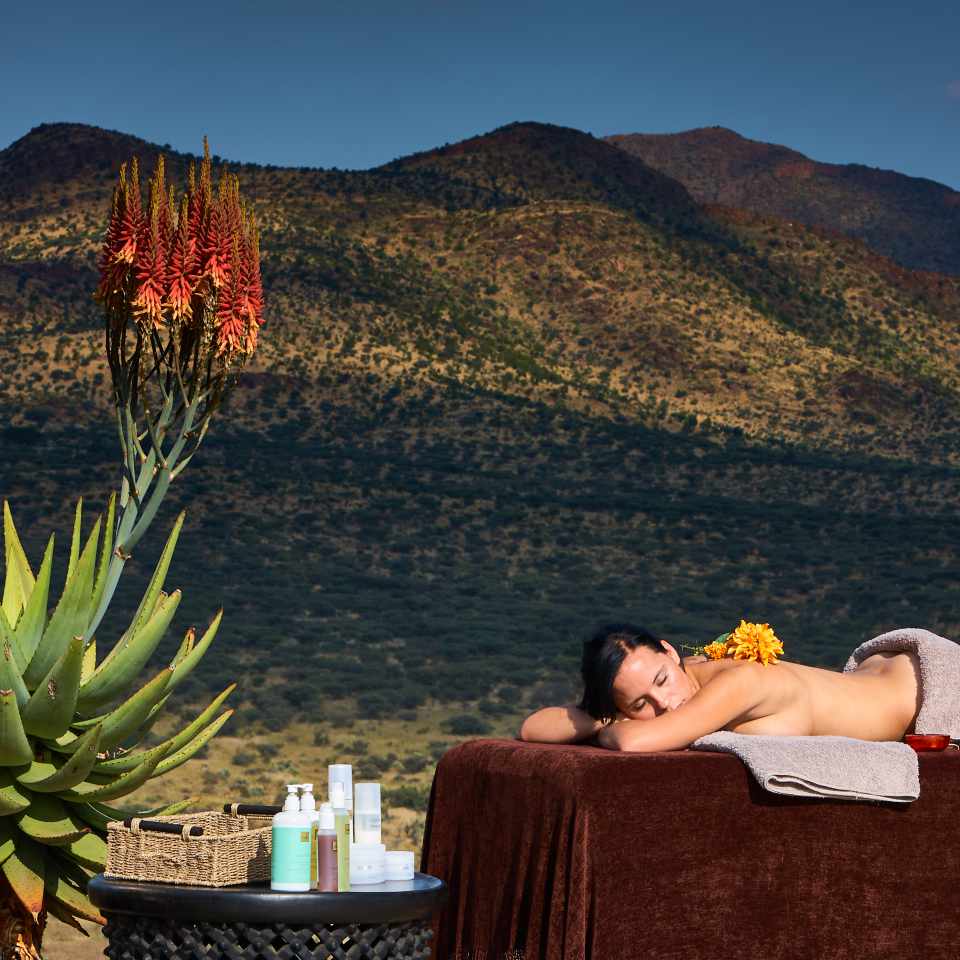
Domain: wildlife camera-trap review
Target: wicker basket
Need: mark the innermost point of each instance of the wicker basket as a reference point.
(232, 850)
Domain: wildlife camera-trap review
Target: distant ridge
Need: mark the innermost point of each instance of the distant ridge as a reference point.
(914, 221)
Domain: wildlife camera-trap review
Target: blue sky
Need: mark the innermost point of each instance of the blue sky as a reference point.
(356, 84)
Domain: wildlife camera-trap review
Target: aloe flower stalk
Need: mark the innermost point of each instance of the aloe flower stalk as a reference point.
(183, 303)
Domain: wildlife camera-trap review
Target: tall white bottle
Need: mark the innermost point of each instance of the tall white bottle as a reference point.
(290, 846)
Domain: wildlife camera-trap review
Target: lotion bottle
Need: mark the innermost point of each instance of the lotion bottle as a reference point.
(327, 850)
(341, 819)
(308, 805)
(290, 846)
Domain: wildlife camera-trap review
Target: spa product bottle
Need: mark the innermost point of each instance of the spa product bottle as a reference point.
(366, 816)
(290, 846)
(341, 773)
(308, 805)
(341, 826)
(327, 850)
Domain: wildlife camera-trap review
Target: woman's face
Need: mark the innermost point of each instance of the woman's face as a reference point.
(650, 683)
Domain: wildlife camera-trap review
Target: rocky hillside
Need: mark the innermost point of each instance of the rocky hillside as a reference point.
(914, 221)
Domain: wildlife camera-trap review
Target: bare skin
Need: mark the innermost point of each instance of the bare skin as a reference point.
(665, 706)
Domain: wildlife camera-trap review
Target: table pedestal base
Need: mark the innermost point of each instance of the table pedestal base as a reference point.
(152, 938)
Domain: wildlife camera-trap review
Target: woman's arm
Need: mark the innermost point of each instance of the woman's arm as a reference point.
(559, 725)
(726, 697)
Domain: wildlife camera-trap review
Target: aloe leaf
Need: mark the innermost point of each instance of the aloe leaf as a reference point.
(75, 539)
(12, 798)
(183, 755)
(63, 914)
(89, 660)
(71, 897)
(119, 787)
(54, 701)
(14, 746)
(130, 760)
(24, 870)
(127, 658)
(106, 552)
(120, 723)
(10, 678)
(19, 579)
(29, 630)
(43, 777)
(99, 815)
(7, 843)
(70, 617)
(185, 666)
(50, 822)
(152, 593)
(90, 850)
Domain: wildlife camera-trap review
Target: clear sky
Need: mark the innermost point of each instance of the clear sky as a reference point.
(358, 83)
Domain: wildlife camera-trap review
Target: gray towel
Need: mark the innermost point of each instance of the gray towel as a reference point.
(828, 767)
(844, 767)
(939, 674)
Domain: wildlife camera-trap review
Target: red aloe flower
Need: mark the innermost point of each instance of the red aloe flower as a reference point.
(231, 322)
(153, 254)
(131, 219)
(182, 274)
(215, 242)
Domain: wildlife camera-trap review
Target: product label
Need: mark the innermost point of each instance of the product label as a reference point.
(290, 855)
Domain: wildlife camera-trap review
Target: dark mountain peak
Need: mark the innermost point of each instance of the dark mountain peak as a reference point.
(527, 160)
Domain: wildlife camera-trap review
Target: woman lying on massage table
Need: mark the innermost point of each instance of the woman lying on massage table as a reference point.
(641, 695)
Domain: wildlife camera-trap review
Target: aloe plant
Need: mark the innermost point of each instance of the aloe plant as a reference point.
(66, 753)
(182, 304)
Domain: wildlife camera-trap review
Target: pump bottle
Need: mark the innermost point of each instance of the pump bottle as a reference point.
(290, 846)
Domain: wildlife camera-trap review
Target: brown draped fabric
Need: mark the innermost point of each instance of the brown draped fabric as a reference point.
(558, 851)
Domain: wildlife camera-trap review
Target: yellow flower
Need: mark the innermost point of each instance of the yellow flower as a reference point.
(754, 641)
(716, 650)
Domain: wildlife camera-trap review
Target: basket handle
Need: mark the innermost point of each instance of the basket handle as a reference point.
(251, 809)
(160, 826)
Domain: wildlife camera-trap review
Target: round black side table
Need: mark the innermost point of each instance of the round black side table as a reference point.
(150, 921)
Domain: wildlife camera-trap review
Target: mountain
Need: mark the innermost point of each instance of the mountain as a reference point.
(506, 388)
(914, 221)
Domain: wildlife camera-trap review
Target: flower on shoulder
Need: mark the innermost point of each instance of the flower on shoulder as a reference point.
(718, 649)
(754, 641)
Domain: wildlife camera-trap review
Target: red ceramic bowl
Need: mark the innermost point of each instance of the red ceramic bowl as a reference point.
(922, 742)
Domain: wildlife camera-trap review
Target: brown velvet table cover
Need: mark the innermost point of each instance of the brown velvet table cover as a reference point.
(567, 851)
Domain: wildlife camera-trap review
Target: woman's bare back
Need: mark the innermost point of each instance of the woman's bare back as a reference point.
(877, 701)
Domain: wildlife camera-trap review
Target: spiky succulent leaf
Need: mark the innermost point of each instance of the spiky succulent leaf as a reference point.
(130, 760)
(90, 850)
(29, 630)
(24, 870)
(120, 724)
(106, 552)
(63, 914)
(152, 594)
(183, 667)
(15, 749)
(75, 539)
(128, 657)
(19, 580)
(49, 821)
(70, 617)
(185, 753)
(112, 788)
(89, 660)
(54, 776)
(51, 708)
(12, 798)
(64, 890)
(10, 678)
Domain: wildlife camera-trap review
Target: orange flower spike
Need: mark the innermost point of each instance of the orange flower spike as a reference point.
(231, 324)
(150, 266)
(111, 275)
(181, 273)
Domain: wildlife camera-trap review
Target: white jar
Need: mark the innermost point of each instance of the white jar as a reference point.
(367, 863)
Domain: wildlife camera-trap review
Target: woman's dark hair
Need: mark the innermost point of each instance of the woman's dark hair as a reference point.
(603, 655)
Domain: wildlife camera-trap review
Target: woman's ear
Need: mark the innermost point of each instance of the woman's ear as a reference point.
(670, 652)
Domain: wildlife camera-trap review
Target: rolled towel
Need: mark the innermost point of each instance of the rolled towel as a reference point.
(836, 768)
(939, 674)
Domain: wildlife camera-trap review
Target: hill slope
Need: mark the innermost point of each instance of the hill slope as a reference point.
(914, 221)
